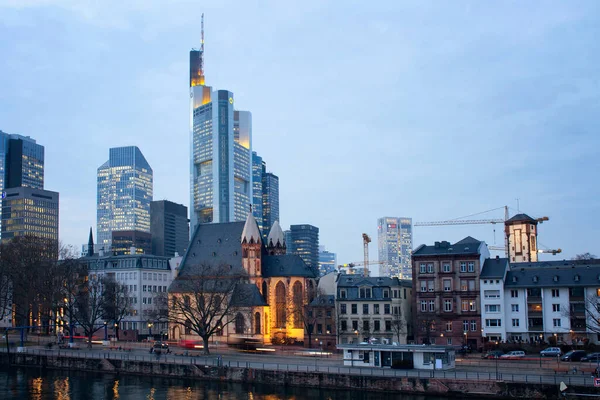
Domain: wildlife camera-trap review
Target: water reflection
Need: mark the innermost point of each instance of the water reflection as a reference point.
(36, 388)
(116, 390)
(61, 389)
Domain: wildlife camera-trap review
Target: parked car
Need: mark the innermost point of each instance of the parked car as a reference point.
(574, 355)
(464, 349)
(551, 352)
(160, 347)
(493, 354)
(515, 354)
(595, 357)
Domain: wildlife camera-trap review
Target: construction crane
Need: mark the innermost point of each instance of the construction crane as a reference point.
(350, 266)
(548, 251)
(366, 241)
(462, 221)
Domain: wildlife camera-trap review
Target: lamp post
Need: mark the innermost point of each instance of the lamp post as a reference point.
(149, 330)
(116, 331)
(356, 331)
(105, 332)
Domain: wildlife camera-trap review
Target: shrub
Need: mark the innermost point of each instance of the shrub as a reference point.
(402, 364)
(552, 341)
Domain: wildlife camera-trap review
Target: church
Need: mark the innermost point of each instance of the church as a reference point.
(276, 286)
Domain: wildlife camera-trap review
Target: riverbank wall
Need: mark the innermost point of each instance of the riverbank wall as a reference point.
(412, 385)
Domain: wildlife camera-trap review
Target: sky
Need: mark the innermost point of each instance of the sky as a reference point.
(425, 109)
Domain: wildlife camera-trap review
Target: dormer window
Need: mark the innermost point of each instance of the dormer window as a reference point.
(342, 293)
(576, 278)
(535, 279)
(364, 293)
(515, 279)
(555, 279)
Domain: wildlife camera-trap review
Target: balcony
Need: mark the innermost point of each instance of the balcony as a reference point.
(534, 299)
(536, 328)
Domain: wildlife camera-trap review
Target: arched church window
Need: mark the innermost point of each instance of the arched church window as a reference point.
(240, 324)
(298, 304)
(257, 323)
(280, 312)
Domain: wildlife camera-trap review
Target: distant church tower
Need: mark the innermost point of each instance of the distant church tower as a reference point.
(251, 248)
(276, 241)
(521, 238)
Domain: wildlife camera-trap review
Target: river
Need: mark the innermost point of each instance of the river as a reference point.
(37, 384)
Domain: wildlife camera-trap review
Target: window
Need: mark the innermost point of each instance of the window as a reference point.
(386, 309)
(366, 326)
(354, 309)
(422, 268)
(471, 285)
(447, 305)
(449, 341)
(365, 293)
(448, 326)
(556, 322)
(491, 294)
(447, 285)
(344, 325)
(423, 305)
(597, 293)
(465, 325)
(143, 288)
(396, 310)
(395, 294)
(430, 286)
(463, 285)
(376, 325)
(365, 308)
(514, 307)
(493, 322)
(343, 294)
(463, 266)
(471, 267)
(514, 293)
(446, 267)
(342, 309)
(388, 326)
(354, 325)
(423, 286)
(473, 325)
(515, 322)
(375, 308)
(386, 294)
(320, 329)
(430, 268)
(472, 305)
(431, 306)
(492, 308)
(464, 305)
(556, 307)
(485, 282)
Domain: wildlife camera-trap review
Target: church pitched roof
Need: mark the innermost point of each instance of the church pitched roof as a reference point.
(287, 265)
(247, 295)
(276, 236)
(251, 232)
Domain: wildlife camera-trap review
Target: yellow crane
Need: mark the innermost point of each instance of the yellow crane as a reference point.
(350, 266)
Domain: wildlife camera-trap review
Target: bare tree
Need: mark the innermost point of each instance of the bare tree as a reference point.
(584, 256)
(426, 327)
(117, 303)
(88, 306)
(204, 304)
(6, 284)
(398, 326)
(583, 315)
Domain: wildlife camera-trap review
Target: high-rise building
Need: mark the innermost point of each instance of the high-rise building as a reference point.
(327, 261)
(258, 166)
(304, 241)
(169, 227)
(270, 184)
(124, 194)
(395, 246)
(221, 155)
(128, 242)
(29, 211)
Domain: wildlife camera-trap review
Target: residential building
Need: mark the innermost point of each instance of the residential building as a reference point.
(128, 242)
(304, 241)
(535, 301)
(320, 330)
(221, 155)
(125, 187)
(270, 186)
(270, 300)
(327, 261)
(372, 307)
(521, 238)
(145, 278)
(394, 237)
(447, 297)
(29, 211)
(258, 168)
(169, 227)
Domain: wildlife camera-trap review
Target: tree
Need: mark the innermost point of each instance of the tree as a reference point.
(426, 326)
(204, 304)
(304, 315)
(88, 306)
(584, 256)
(398, 325)
(584, 315)
(117, 303)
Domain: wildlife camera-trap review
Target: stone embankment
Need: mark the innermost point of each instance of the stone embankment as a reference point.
(412, 385)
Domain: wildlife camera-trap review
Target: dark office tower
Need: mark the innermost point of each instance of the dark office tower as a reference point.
(169, 227)
(305, 243)
(257, 192)
(123, 242)
(25, 163)
(29, 211)
(270, 184)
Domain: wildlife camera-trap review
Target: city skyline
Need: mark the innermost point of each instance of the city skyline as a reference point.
(507, 108)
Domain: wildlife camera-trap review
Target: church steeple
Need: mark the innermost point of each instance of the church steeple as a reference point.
(91, 244)
(252, 248)
(276, 240)
(251, 233)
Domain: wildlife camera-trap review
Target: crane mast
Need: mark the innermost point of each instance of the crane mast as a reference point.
(366, 241)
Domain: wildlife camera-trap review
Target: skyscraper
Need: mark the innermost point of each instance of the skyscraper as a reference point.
(270, 185)
(124, 194)
(169, 227)
(221, 156)
(258, 166)
(327, 261)
(304, 241)
(395, 246)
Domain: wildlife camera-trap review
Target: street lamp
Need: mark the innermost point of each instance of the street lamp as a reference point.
(356, 331)
(149, 330)
(105, 332)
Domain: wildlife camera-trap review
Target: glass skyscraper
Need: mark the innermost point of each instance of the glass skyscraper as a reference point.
(221, 155)
(270, 185)
(327, 261)
(395, 246)
(304, 241)
(258, 166)
(124, 194)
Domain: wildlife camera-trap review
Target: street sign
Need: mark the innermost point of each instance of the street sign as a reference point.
(596, 382)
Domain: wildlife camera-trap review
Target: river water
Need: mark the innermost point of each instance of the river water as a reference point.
(37, 384)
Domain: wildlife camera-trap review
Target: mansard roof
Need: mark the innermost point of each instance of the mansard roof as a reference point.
(567, 273)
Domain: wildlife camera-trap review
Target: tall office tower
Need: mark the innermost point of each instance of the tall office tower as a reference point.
(395, 247)
(221, 155)
(258, 166)
(304, 241)
(288, 242)
(124, 194)
(327, 261)
(169, 227)
(123, 242)
(270, 184)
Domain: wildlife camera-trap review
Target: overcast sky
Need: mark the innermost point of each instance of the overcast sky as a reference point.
(425, 109)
